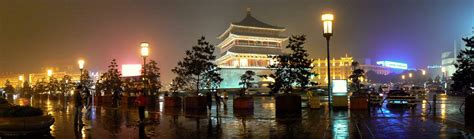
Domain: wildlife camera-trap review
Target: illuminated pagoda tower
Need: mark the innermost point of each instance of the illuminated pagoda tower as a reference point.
(248, 45)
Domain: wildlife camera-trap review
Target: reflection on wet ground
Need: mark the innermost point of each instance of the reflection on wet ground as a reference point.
(107, 122)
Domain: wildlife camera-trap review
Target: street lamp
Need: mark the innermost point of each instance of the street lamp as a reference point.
(403, 77)
(423, 72)
(144, 52)
(327, 33)
(49, 73)
(20, 78)
(410, 75)
(81, 67)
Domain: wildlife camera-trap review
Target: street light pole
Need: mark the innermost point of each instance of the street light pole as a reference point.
(81, 68)
(144, 52)
(327, 33)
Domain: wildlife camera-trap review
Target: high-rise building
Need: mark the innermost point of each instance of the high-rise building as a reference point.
(248, 45)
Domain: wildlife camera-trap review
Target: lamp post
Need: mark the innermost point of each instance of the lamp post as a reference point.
(327, 33)
(20, 78)
(144, 52)
(81, 68)
(49, 73)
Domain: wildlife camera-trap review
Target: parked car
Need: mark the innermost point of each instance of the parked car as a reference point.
(416, 90)
(400, 97)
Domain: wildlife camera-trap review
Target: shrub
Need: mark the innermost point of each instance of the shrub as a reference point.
(21, 111)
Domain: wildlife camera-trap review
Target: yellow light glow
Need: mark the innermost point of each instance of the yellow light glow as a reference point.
(403, 77)
(81, 63)
(144, 48)
(20, 77)
(327, 17)
(50, 72)
(410, 75)
(327, 23)
(443, 69)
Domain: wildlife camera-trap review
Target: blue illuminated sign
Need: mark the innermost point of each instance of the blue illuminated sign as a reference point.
(391, 64)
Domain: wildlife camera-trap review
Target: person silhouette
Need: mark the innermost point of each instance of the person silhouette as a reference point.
(78, 106)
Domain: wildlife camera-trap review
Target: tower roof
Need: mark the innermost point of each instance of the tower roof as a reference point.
(251, 21)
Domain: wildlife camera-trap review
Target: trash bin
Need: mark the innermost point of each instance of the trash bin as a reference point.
(469, 111)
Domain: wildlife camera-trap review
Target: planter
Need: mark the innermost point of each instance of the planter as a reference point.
(151, 101)
(128, 100)
(195, 102)
(243, 103)
(97, 100)
(359, 102)
(25, 125)
(469, 111)
(175, 111)
(173, 102)
(288, 106)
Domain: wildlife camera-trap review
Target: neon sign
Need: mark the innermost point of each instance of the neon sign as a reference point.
(391, 64)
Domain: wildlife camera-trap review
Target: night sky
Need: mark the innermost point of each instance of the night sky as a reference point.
(39, 33)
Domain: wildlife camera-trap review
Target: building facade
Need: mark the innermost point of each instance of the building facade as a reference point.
(340, 69)
(248, 45)
(448, 58)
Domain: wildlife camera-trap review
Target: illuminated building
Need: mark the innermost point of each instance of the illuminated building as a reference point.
(448, 58)
(340, 69)
(15, 80)
(57, 72)
(248, 45)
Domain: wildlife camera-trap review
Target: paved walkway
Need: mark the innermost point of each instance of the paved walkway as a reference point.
(106, 122)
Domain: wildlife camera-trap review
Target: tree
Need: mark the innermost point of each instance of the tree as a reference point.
(198, 66)
(293, 68)
(85, 79)
(246, 78)
(53, 85)
(111, 83)
(26, 88)
(464, 76)
(357, 73)
(40, 86)
(66, 84)
(152, 76)
(9, 87)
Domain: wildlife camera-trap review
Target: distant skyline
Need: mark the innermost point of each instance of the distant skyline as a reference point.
(35, 34)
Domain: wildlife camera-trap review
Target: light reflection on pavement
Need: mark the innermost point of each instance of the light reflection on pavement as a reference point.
(384, 122)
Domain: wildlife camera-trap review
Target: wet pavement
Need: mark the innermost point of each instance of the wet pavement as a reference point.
(381, 122)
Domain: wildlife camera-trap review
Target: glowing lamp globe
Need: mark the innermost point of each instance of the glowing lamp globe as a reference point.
(144, 49)
(81, 64)
(327, 23)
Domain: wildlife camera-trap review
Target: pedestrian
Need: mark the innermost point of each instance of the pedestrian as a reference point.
(78, 106)
(141, 102)
(87, 98)
(225, 98)
(218, 101)
(209, 100)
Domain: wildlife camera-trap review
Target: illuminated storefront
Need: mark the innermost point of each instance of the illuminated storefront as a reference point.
(248, 45)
